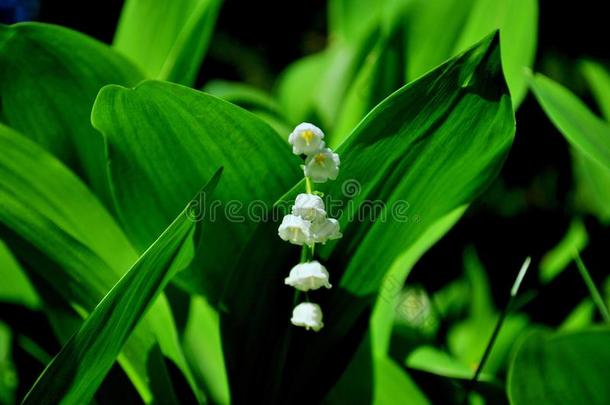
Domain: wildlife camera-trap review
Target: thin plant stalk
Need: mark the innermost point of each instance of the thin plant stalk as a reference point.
(492, 340)
(595, 294)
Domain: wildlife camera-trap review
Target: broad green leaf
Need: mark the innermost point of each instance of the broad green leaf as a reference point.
(296, 86)
(313, 89)
(439, 29)
(164, 141)
(380, 74)
(517, 21)
(382, 318)
(432, 29)
(347, 20)
(15, 287)
(598, 78)
(203, 350)
(593, 179)
(254, 100)
(561, 368)
(433, 360)
(53, 223)
(167, 39)
(243, 95)
(586, 132)
(421, 154)
(49, 77)
(75, 374)
(393, 385)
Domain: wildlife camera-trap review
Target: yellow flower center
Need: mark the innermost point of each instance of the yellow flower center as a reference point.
(307, 135)
(319, 158)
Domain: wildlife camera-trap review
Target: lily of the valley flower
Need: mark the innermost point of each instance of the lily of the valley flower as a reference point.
(308, 315)
(308, 276)
(306, 139)
(295, 230)
(322, 165)
(309, 207)
(325, 230)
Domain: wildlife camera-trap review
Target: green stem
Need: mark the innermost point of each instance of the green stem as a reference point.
(308, 185)
(597, 297)
(492, 340)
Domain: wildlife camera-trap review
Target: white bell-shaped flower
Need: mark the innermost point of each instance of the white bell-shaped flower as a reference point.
(309, 207)
(307, 315)
(324, 230)
(308, 276)
(306, 139)
(322, 165)
(295, 230)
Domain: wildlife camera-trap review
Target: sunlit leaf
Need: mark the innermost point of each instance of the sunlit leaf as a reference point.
(419, 151)
(53, 223)
(562, 368)
(75, 374)
(167, 39)
(49, 77)
(165, 140)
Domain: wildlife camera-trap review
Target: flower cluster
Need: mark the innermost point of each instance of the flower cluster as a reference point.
(308, 223)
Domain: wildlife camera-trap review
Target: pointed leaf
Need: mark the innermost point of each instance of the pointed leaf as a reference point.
(49, 77)
(54, 224)
(164, 141)
(167, 39)
(426, 150)
(562, 368)
(75, 374)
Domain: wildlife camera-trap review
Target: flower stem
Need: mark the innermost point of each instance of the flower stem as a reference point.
(308, 185)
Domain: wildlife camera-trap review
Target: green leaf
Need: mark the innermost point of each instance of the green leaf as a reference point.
(557, 259)
(75, 374)
(252, 99)
(348, 19)
(439, 29)
(433, 360)
(49, 77)
(590, 137)
(421, 154)
(164, 141)
(382, 319)
(295, 85)
(598, 78)
(15, 287)
(561, 368)
(586, 132)
(203, 349)
(167, 40)
(46, 217)
(393, 385)
(314, 88)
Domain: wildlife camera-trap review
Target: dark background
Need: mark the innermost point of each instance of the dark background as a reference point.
(527, 210)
